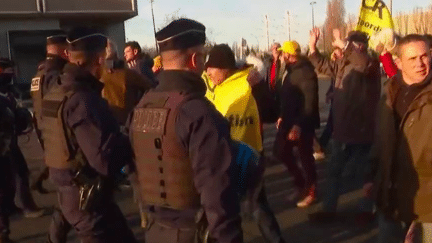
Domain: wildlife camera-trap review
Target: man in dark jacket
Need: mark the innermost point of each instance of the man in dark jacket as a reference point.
(356, 95)
(200, 138)
(401, 154)
(298, 119)
(138, 61)
(84, 148)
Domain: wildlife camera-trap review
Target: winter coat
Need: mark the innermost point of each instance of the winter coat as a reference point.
(402, 156)
(356, 95)
(234, 100)
(299, 97)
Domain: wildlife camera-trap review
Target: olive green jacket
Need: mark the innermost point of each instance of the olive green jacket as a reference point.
(402, 156)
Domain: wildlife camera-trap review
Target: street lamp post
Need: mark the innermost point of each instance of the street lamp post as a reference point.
(154, 26)
(267, 29)
(313, 23)
(289, 28)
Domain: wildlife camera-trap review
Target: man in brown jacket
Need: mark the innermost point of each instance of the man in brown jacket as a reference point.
(402, 151)
(123, 87)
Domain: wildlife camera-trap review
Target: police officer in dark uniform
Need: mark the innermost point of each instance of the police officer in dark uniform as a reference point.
(47, 73)
(183, 150)
(23, 125)
(84, 148)
(7, 121)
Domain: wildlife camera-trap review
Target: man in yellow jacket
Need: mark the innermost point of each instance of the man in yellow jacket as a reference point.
(229, 90)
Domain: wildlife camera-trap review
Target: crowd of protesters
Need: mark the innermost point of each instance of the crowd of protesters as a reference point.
(185, 130)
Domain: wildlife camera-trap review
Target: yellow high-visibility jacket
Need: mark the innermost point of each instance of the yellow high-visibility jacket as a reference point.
(233, 98)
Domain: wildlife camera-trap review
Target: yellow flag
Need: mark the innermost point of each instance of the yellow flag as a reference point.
(374, 17)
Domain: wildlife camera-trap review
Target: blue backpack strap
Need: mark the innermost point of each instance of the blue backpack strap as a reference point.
(247, 160)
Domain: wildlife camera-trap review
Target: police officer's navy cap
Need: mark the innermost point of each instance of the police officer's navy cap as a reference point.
(181, 34)
(56, 40)
(86, 39)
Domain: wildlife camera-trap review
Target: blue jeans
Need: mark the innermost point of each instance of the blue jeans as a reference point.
(343, 154)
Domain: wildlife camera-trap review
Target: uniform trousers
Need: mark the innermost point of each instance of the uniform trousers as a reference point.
(6, 193)
(159, 232)
(104, 224)
(21, 173)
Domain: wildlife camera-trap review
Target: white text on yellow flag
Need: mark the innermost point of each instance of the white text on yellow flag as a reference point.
(374, 16)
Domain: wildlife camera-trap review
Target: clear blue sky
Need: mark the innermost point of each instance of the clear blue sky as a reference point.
(230, 20)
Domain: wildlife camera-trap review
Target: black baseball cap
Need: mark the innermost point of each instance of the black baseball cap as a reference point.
(221, 56)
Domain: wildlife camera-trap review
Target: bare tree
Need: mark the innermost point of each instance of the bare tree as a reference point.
(422, 21)
(335, 20)
(416, 20)
(351, 22)
(427, 20)
(405, 24)
(172, 16)
(398, 23)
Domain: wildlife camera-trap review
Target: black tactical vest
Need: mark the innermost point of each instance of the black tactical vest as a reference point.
(61, 149)
(163, 166)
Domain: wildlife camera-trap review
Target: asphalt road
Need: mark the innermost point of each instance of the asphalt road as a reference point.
(293, 221)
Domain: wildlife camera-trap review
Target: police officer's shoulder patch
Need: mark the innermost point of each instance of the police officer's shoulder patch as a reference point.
(35, 84)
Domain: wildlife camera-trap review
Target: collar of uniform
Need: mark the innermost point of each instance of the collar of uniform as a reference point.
(178, 80)
(53, 62)
(76, 78)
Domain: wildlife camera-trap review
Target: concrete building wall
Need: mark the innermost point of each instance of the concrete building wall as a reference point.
(17, 24)
(24, 42)
(116, 32)
(25, 24)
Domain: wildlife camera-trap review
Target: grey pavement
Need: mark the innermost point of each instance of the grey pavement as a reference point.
(292, 220)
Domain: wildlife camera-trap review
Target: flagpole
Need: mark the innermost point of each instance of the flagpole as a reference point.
(391, 7)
